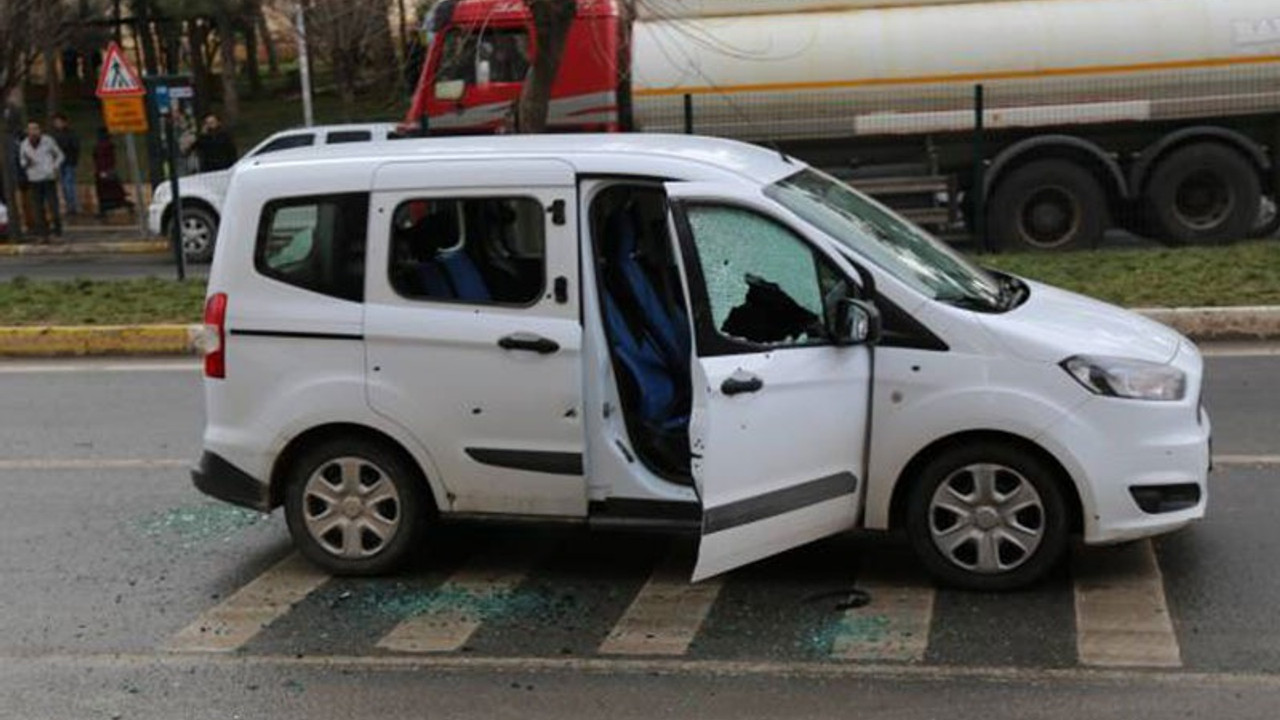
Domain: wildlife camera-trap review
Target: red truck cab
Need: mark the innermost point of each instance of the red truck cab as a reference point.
(479, 51)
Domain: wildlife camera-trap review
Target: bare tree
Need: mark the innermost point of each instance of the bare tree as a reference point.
(356, 37)
(551, 22)
(26, 28)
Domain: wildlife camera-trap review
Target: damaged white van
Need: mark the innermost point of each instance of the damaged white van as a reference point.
(672, 331)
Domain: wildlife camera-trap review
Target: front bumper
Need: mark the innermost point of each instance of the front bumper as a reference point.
(1118, 447)
(216, 477)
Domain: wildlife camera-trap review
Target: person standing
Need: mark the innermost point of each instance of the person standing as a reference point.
(40, 158)
(69, 143)
(214, 147)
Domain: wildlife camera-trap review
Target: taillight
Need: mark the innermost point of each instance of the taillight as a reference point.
(213, 340)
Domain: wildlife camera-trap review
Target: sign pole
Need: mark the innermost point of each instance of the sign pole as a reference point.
(131, 149)
(164, 110)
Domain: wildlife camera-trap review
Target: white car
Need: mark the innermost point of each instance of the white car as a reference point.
(670, 331)
(4, 219)
(203, 193)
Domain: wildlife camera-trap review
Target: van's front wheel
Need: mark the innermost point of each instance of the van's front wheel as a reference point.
(988, 517)
(354, 508)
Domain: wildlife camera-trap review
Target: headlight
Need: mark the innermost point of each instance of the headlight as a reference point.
(1136, 379)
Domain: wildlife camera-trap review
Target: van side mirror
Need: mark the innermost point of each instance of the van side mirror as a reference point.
(450, 89)
(856, 322)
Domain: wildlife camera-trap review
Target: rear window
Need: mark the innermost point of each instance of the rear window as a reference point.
(287, 142)
(316, 243)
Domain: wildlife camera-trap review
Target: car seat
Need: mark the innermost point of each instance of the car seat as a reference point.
(639, 296)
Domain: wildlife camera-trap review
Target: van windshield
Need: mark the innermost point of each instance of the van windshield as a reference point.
(893, 244)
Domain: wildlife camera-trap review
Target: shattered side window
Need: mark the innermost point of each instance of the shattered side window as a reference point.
(763, 283)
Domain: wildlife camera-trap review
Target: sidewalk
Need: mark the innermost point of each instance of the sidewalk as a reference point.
(85, 236)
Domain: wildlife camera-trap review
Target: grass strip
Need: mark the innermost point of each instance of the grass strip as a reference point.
(1224, 276)
(100, 302)
(1241, 274)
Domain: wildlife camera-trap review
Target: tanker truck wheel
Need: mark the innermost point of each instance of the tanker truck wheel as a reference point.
(1203, 193)
(1048, 205)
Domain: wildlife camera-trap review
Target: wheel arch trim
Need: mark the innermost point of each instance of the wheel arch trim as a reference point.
(289, 447)
(1118, 187)
(1074, 495)
(1150, 156)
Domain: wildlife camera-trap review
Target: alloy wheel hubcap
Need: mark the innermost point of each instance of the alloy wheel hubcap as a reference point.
(986, 518)
(351, 508)
(195, 235)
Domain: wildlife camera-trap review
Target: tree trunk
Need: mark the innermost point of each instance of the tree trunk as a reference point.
(268, 40)
(142, 12)
(251, 57)
(404, 30)
(197, 38)
(53, 87)
(389, 62)
(227, 43)
(551, 22)
(12, 121)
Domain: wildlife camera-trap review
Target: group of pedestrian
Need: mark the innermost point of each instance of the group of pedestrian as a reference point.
(48, 163)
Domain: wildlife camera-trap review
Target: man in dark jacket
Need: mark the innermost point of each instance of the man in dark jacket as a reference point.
(69, 143)
(215, 148)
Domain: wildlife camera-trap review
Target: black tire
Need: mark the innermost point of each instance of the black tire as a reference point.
(1017, 561)
(1048, 205)
(316, 495)
(1268, 219)
(1202, 193)
(200, 233)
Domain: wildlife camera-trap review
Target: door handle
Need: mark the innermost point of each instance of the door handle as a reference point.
(740, 383)
(529, 342)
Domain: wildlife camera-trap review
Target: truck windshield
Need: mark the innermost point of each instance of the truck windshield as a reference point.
(895, 245)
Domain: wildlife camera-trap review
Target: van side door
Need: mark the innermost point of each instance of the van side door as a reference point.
(780, 410)
(472, 328)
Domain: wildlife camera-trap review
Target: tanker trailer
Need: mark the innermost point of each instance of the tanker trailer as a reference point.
(1161, 116)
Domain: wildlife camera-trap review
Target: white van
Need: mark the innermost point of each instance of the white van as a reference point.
(670, 331)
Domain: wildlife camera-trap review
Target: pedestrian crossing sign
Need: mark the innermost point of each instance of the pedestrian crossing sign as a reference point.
(118, 77)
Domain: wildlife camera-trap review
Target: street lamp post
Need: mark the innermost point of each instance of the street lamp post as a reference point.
(304, 65)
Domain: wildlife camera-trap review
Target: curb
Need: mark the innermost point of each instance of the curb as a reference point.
(79, 341)
(1199, 324)
(126, 247)
(1220, 324)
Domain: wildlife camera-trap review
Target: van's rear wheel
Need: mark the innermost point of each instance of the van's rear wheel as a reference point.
(988, 516)
(354, 508)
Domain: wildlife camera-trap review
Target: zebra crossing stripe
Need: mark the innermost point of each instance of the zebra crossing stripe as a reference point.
(465, 599)
(235, 621)
(894, 627)
(1122, 619)
(665, 615)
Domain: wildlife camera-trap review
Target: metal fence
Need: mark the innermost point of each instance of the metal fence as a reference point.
(1176, 154)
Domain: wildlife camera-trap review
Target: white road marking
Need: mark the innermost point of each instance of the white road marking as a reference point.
(1122, 619)
(894, 627)
(1240, 350)
(485, 581)
(98, 366)
(665, 615)
(236, 620)
(92, 463)
(1228, 460)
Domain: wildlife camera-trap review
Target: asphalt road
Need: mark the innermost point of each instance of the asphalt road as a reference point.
(98, 267)
(122, 590)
